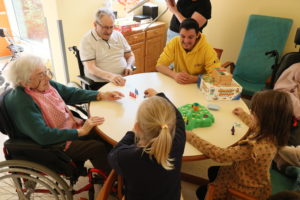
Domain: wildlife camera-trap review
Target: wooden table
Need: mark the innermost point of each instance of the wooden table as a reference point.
(120, 115)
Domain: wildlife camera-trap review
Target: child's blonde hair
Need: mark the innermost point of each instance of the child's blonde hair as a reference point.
(156, 119)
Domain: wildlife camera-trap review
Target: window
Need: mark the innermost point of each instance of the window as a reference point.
(30, 20)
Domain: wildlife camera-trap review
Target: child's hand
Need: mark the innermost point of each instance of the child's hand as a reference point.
(150, 92)
(237, 111)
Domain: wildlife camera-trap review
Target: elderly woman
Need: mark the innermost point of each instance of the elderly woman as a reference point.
(37, 106)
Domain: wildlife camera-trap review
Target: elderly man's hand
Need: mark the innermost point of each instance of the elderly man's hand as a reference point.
(89, 124)
(127, 71)
(118, 80)
(110, 96)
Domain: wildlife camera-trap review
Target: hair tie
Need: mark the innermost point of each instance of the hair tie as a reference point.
(164, 126)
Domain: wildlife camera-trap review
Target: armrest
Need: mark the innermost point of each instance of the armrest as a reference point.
(27, 148)
(31, 145)
(227, 64)
(268, 83)
(234, 193)
(107, 186)
(86, 80)
(133, 67)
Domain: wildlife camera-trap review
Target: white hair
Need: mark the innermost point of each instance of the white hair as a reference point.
(18, 72)
(104, 12)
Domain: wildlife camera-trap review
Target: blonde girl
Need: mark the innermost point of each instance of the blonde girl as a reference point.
(149, 157)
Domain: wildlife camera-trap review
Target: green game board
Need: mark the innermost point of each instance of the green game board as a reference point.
(196, 116)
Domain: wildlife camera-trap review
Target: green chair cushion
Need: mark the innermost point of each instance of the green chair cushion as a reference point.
(281, 182)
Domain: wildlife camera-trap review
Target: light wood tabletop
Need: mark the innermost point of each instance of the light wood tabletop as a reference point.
(120, 115)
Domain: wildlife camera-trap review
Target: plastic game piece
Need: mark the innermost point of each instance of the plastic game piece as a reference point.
(213, 107)
(196, 118)
(232, 130)
(236, 124)
(132, 95)
(136, 91)
(196, 106)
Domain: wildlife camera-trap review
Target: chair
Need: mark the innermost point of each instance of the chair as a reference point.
(108, 186)
(231, 194)
(252, 69)
(219, 52)
(280, 182)
(40, 172)
(86, 83)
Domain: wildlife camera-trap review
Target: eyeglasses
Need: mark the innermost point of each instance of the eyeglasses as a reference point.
(106, 27)
(46, 73)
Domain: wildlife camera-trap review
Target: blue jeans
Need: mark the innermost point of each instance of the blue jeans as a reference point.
(171, 34)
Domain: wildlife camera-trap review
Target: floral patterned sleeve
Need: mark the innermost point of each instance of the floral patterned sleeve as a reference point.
(222, 155)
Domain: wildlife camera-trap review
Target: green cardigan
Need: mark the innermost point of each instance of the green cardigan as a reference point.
(28, 120)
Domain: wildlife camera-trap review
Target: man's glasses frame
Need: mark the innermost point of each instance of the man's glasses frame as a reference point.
(106, 27)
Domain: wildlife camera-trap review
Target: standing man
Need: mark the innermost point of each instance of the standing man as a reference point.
(105, 53)
(190, 53)
(199, 10)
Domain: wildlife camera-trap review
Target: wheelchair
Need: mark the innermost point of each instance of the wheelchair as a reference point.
(33, 171)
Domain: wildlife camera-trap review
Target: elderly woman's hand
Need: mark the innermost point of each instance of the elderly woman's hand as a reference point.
(111, 96)
(89, 124)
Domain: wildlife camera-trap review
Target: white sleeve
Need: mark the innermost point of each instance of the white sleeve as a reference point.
(123, 41)
(87, 49)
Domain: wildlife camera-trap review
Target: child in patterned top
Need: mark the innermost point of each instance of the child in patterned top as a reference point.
(269, 126)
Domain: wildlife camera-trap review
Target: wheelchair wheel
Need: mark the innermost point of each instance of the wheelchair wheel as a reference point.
(27, 180)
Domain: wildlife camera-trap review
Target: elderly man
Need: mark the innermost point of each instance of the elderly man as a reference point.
(105, 53)
(190, 53)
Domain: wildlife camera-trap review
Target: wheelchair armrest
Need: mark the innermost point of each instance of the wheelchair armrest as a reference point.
(86, 80)
(25, 147)
(30, 144)
(229, 64)
(133, 67)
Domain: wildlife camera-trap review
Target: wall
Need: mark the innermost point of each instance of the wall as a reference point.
(225, 30)
(51, 15)
(227, 27)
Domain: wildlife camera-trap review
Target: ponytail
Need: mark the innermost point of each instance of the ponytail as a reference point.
(160, 148)
(156, 118)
